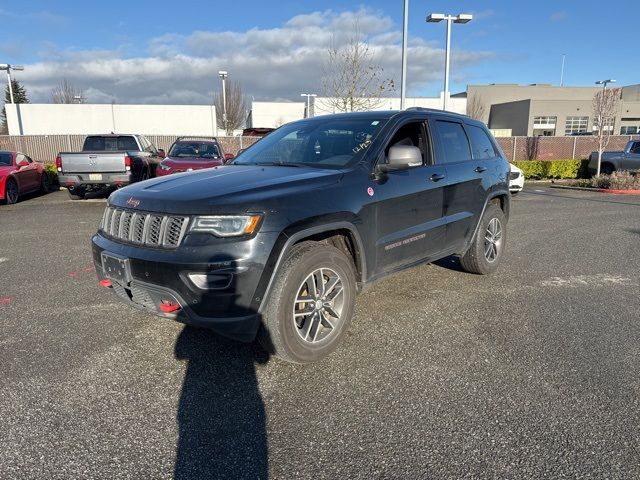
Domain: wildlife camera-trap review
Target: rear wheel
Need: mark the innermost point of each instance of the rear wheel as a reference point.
(487, 246)
(45, 183)
(76, 194)
(607, 169)
(11, 192)
(311, 304)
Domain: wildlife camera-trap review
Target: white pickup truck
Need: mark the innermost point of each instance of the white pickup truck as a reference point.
(628, 159)
(107, 162)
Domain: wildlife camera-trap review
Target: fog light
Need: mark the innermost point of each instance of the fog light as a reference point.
(210, 281)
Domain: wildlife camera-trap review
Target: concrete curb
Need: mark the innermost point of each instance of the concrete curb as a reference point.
(600, 190)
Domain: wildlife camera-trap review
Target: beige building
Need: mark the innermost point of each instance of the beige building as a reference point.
(548, 110)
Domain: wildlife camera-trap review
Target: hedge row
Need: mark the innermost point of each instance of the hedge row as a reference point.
(539, 169)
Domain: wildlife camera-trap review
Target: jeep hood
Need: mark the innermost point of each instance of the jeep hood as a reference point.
(225, 189)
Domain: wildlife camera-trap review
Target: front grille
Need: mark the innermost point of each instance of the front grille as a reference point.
(143, 228)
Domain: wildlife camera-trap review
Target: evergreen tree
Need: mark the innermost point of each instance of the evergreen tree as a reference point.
(19, 96)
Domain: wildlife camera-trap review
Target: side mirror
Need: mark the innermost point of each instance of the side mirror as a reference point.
(402, 157)
(23, 163)
(161, 153)
(240, 151)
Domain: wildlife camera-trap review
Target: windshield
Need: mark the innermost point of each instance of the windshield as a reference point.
(195, 150)
(110, 143)
(5, 158)
(333, 142)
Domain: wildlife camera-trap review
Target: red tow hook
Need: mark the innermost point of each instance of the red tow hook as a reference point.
(167, 306)
(106, 283)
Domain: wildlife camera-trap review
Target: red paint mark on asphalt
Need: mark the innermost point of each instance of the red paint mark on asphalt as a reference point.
(77, 273)
(6, 300)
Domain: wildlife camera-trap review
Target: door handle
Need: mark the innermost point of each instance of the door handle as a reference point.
(480, 169)
(436, 177)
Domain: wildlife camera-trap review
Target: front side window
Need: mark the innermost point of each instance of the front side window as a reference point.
(481, 144)
(411, 134)
(455, 145)
(334, 142)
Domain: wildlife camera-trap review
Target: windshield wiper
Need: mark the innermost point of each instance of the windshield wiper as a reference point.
(278, 164)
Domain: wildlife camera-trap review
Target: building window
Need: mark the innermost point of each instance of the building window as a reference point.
(544, 126)
(608, 124)
(576, 125)
(628, 130)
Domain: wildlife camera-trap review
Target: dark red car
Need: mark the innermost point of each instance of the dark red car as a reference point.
(19, 175)
(186, 155)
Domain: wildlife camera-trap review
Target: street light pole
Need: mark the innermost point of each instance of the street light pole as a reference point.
(8, 67)
(308, 95)
(405, 33)
(438, 17)
(223, 75)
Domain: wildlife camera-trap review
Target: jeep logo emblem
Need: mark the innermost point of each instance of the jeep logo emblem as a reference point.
(134, 202)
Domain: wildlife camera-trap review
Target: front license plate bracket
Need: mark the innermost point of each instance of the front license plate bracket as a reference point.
(116, 267)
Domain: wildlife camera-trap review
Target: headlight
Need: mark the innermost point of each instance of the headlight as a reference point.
(226, 225)
(164, 167)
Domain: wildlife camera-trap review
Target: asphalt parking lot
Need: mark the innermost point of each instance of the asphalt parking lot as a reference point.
(533, 372)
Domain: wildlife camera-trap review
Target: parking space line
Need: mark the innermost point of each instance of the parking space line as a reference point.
(3, 259)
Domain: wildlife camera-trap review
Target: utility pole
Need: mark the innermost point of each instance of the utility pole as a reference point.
(308, 95)
(405, 33)
(223, 75)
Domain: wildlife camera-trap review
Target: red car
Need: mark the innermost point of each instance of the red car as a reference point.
(19, 175)
(186, 155)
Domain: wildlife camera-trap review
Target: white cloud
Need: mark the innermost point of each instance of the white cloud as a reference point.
(274, 63)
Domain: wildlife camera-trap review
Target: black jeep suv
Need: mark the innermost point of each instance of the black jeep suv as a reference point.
(279, 242)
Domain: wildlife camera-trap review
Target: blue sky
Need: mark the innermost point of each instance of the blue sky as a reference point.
(157, 52)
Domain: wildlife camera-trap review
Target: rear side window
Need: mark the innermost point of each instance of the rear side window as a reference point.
(454, 142)
(635, 148)
(481, 144)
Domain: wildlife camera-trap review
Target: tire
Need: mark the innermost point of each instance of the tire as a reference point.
(606, 169)
(45, 183)
(11, 192)
(305, 338)
(76, 194)
(485, 252)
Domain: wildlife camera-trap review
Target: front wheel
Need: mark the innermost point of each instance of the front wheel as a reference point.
(311, 304)
(11, 192)
(488, 244)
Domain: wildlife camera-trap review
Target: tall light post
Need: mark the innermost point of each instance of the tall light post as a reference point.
(223, 75)
(308, 95)
(8, 67)
(403, 74)
(438, 17)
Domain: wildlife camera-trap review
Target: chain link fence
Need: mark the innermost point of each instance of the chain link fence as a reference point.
(557, 148)
(44, 148)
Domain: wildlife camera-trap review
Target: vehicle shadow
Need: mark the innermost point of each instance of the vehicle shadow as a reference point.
(221, 415)
(451, 262)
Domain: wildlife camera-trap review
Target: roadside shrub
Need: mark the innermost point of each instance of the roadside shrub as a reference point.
(541, 169)
(619, 180)
(52, 172)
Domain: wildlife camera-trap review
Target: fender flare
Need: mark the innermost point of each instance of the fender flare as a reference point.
(491, 196)
(294, 238)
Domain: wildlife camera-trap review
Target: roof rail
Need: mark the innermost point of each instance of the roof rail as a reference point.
(196, 137)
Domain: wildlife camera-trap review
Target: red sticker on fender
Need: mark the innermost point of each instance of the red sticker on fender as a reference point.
(370, 191)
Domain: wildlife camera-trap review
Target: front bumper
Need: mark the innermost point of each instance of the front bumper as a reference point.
(159, 276)
(83, 180)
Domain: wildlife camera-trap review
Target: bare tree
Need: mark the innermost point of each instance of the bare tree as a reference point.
(532, 146)
(236, 107)
(352, 80)
(66, 92)
(605, 105)
(476, 107)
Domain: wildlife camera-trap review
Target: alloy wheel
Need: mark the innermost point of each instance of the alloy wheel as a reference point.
(493, 240)
(318, 305)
